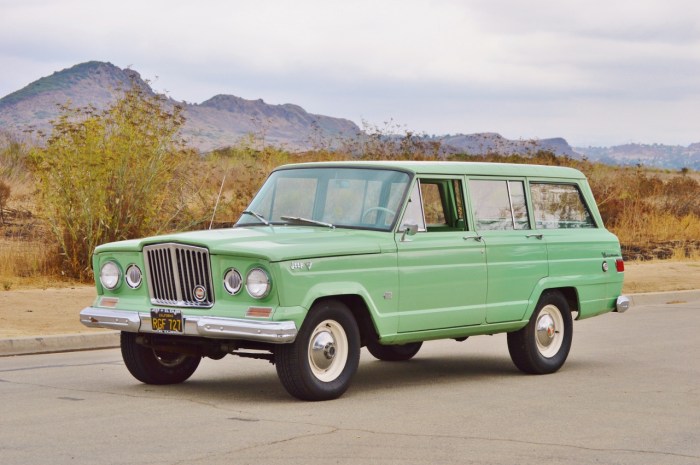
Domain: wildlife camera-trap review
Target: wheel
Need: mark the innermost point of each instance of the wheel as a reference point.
(321, 362)
(153, 367)
(542, 346)
(396, 353)
(373, 209)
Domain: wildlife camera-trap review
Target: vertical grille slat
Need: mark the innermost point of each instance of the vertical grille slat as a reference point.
(179, 275)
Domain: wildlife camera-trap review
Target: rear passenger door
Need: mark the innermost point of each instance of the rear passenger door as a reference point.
(442, 269)
(516, 256)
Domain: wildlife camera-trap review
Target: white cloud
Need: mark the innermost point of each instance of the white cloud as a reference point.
(546, 67)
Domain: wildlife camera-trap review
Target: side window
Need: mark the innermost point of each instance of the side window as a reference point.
(433, 204)
(560, 206)
(499, 204)
(414, 209)
(436, 205)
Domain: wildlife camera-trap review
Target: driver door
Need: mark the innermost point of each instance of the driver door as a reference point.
(442, 268)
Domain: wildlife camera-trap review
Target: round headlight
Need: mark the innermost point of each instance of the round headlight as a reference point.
(133, 276)
(110, 275)
(257, 283)
(233, 281)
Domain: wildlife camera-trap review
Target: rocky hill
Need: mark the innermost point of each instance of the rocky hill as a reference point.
(218, 122)
(224, 119)
(489, 142)
(92, 83)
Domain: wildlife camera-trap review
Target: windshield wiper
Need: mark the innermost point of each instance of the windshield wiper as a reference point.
(297, 219)
(258, 216)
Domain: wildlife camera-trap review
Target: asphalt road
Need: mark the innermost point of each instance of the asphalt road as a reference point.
(628, 394)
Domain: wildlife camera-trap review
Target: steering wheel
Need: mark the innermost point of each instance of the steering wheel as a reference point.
(381, 209)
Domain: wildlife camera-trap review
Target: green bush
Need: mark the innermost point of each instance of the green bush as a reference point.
(111, 175)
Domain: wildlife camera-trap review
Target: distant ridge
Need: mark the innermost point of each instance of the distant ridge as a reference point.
(656, 155)
(218, 122)
(224, 119)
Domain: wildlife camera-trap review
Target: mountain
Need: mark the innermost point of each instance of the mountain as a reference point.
(224, 119)
(93, 83)
(489, 142)
(218, 122)
(656, 155)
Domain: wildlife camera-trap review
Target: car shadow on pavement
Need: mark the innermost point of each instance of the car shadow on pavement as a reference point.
(372, 375)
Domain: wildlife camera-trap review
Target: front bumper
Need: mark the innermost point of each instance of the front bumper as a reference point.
(276, 332)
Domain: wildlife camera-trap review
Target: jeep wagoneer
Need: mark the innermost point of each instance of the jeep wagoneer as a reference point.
(331, 257)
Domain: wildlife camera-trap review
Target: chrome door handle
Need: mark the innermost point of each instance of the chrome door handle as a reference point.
(538, 236)
(476, 238)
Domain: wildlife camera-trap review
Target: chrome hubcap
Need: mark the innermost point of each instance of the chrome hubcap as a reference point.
(328, 350)
(545, 330)
(323, 350)
(549, 331)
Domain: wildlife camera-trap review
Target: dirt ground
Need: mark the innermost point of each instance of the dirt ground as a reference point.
(43, 312)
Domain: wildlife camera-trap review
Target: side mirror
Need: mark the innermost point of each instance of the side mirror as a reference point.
(409, 230)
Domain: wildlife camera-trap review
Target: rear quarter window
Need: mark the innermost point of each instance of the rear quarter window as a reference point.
(560, 206)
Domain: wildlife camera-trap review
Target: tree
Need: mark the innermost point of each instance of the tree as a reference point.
(111, 175)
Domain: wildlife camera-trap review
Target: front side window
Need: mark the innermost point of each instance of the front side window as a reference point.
(499, 204)
(342, 197)
(560, 206)
(436, 205)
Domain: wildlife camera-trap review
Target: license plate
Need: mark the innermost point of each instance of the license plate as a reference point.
(165, 320)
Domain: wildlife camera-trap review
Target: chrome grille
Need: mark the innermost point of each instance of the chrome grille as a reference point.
(179, 275)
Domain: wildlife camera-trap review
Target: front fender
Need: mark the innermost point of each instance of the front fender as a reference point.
(385, 319)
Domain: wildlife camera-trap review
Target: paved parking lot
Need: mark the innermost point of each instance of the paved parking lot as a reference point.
(629, 394)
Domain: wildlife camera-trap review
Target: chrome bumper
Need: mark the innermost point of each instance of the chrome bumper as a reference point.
(276, 332)
(623, 304)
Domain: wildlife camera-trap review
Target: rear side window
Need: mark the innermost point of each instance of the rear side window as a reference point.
(499, 204)
(560, 206)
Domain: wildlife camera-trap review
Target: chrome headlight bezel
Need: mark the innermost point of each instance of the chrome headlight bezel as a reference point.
(233, 281)
(257, 283)
(110, 275)
(133, 276)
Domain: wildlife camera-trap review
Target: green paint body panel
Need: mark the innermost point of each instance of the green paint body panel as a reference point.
(457, 282)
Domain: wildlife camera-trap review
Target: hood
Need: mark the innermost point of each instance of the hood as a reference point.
(278, 243)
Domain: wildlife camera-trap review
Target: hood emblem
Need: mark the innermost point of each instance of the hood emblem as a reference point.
(301, 266)
(200, 293)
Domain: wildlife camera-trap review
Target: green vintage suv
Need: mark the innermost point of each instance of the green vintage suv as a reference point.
(331, 257)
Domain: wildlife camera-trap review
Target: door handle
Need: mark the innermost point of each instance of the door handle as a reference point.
(476, 238)
(538, 236)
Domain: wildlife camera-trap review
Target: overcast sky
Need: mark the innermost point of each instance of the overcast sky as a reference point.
(594, 72)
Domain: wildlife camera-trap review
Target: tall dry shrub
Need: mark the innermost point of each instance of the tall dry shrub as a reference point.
(4, 197)
(111, 175)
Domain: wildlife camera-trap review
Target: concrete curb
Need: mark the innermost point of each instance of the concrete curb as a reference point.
(110, 339)
(673, 297)
(58, 343)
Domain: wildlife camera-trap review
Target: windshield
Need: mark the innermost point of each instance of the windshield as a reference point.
(335, 197)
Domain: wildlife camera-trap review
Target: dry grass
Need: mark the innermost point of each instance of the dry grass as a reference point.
(25, 264)
(655, 214)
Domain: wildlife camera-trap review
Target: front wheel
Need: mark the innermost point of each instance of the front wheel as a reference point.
(155, 367)
(542, 346)
(321, 362)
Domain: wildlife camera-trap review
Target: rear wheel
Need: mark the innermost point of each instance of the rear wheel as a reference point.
(543, 345)
(395, 353)
(321, 362)
(156, 367)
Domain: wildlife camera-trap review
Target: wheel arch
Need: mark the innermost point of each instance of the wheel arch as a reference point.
(569, 292)
(360, 311)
